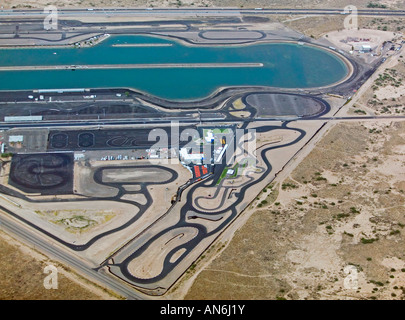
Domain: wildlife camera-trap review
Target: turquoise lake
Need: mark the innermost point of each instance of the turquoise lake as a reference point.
(285, 65)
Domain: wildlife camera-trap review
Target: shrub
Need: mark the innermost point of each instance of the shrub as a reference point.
(366, 241)
(376, 5)
(6, 154)
(378, 283)
(288, 185)
(354, 210)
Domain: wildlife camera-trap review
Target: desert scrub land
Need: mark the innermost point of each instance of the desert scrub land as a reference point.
(342, 206)
(25, 280)
(384, 24)
(387, 94)
(317, 26)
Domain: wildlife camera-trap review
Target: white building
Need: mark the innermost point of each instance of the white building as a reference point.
(79, 156)
(209, 136)
(15, 139)
(191, 157)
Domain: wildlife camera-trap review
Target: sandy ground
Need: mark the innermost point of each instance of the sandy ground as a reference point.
(390, 92)
(345, 39)
(153, 267)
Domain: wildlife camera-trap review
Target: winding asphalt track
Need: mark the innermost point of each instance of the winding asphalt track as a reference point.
(121, 192)
(202, 231)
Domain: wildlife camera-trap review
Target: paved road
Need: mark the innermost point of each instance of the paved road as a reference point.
(197, 12)
(134, 66)
(121, 122)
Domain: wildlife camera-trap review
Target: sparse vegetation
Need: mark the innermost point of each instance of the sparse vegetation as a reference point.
(24, 280)
(366, 241)
(6, 155)
(376, 5)
(288, 185)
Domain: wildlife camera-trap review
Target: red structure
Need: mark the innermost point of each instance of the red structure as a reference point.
(197, 171)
